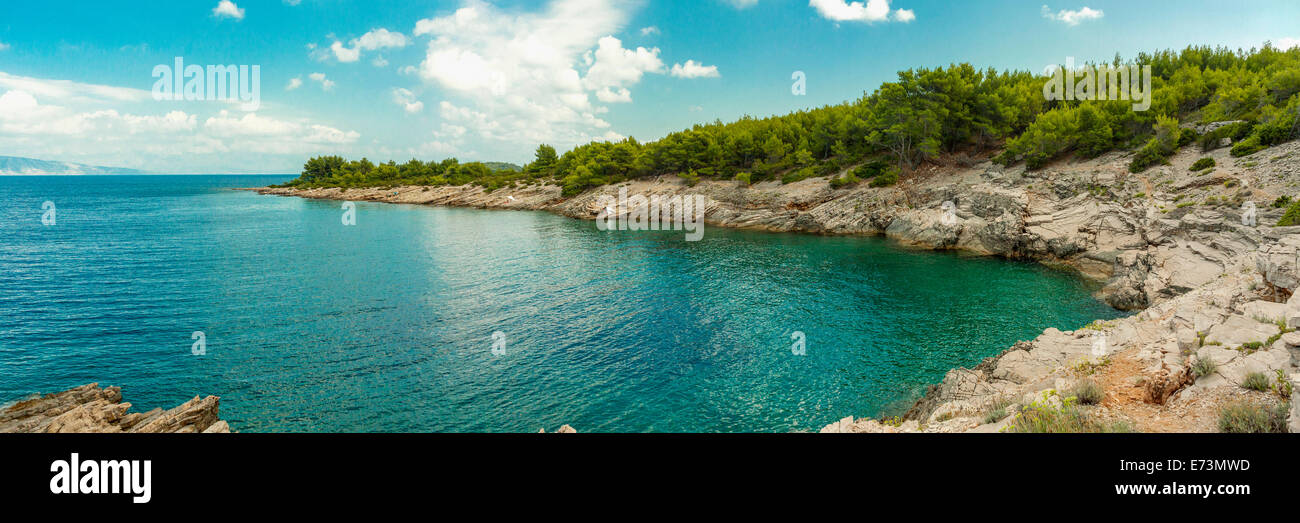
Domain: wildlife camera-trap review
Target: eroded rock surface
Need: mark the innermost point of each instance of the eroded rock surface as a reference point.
(91, 408)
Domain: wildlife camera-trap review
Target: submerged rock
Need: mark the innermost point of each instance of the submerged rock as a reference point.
(91, 408)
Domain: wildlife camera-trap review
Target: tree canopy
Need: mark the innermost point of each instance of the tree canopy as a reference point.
(921, 115)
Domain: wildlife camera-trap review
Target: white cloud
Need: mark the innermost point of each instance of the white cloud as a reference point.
(645, 31)
(379, 38)
(294, 83)
(742, 4)
(228, 9)
(325, 83)
(344, 54)
(380, 61)
(528, 77)
(870, 11)
(4, 46)
(1069, 17)
(615, 68)
(65, 91)
(693, 69)
(1287, 43)
(406, 99)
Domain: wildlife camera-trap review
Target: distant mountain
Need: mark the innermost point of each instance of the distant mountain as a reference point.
(16, 165)
(503, 166)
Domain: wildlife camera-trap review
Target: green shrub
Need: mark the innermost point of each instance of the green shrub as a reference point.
(1088, 392)
(744, 177)
(1244, 417)
(1159, 148)
(1041, 417)
(889, 177)
(871, 169)
(1281, 201)
(1234, 131)
(1204, 367)
(1203, 163)
(798, 174)
(691, 178)
(846, 180)
(1292, 215)
(1257, 381)
(1247, 147)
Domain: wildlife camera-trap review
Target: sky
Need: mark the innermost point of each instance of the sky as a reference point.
(489, 80)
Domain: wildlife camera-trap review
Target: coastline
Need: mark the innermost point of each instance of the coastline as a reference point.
(1205, 285)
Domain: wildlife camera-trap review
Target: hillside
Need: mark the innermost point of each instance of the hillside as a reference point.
(32, 166)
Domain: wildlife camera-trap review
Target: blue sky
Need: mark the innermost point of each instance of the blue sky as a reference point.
(489, 79)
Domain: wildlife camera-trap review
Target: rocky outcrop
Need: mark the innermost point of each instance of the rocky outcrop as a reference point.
(91, 408)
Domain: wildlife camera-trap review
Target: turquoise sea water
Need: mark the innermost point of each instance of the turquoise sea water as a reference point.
(388, 325)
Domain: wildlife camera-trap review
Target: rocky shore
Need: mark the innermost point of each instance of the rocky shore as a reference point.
(91, 408)
(1170, 243)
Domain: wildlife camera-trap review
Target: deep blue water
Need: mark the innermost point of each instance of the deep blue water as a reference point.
(387, 325)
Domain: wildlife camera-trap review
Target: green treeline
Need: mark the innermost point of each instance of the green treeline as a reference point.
(925, 113)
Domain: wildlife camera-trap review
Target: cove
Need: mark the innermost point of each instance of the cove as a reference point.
(389, 325)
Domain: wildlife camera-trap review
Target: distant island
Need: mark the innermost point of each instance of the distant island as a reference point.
(10, 165)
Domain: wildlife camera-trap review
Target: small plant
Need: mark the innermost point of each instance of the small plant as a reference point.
(744, 177)
(1283, 387)
(1250, 346)
(1204, 367)
(1043, 417)
(1202, 164)
(1257, 381)
(1281, 201)
(998, 411)
(1243, 417)
(1088, 392)
(1089, 367)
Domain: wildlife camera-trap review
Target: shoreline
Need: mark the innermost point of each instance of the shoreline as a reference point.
(1201, 284)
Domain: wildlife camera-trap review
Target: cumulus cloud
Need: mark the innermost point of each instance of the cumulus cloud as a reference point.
(228, 9)
(294, 83)
(645, 31)
(693, 69)
(325, 83)
(1287, 43)
(1072, 17)
(406, 99)
(529, 76)
(379, 38)
(868, 11)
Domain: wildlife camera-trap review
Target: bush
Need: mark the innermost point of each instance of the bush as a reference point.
(847, 179)
(744, 177)
(1247, 147)
(798, 174)
(1292, 215)
(1159, 148)
(1204, 367)
(1257, 381)
(691, 178)
(1281, 201)
(889, 177)
(1234, 131)
(1041, 417)
(871, 169)
(1244, 417)
(1202, 164)
(1088, 392)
